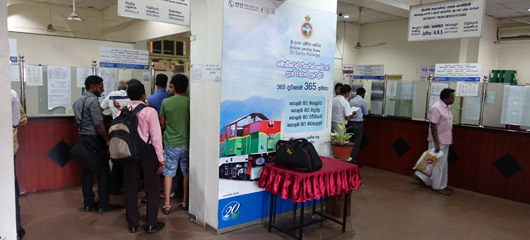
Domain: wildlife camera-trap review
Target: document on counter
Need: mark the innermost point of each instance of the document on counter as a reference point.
(82, 74)
(59, 91)
(34, 75)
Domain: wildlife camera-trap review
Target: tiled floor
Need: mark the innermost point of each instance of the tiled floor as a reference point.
(388, 206)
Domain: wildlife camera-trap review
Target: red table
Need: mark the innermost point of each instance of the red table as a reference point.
(335, 177)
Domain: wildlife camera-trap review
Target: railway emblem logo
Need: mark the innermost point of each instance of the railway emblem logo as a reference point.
(307, 28)
(231, 211)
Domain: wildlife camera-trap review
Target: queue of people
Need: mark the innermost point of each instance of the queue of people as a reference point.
(165, 153)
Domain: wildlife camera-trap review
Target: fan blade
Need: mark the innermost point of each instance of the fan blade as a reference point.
(519, 21)
(375, 45)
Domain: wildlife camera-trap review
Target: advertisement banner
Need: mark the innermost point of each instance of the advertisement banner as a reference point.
(277, 83)
(446, 20)
(464, 72)
(112, 57)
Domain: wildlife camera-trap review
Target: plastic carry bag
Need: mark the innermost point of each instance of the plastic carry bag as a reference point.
(427, 161)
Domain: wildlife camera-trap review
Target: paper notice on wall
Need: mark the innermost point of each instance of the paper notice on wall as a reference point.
(433, 99)
(513, 105)
(408, 91)
(110, 78)
(473, 107)
(33, 75)
(490, 98)
(197, 73)
(82, 74)
(59, 91)
(467, 89)
(15, 73)
(146, 76)
(436, 88)
(213, 73)
(391, 88)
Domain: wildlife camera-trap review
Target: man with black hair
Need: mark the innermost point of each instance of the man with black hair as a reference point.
(175, 120)
(341, 110)
(156, 99)
(337, 89)
(356, 123)
(149, 131)
(440, 138)
(92, 133)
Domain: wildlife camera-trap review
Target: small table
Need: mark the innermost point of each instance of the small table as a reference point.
(335, 177)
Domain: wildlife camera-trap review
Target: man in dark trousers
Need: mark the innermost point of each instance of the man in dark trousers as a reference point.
(93, 135)
(356, 123)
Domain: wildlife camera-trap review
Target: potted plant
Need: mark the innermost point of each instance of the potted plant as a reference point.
(340, 143)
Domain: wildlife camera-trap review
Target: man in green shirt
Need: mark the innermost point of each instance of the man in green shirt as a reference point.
(175, 121)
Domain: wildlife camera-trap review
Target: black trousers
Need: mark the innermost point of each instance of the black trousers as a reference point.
(357, 129)
(132, 172)
(17, 193)
(87, 177)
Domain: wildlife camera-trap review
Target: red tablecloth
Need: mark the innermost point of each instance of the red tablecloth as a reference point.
(335, 177)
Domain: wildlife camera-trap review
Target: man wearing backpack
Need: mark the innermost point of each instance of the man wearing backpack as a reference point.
(150, 165)
(93, 135)
(175, 120)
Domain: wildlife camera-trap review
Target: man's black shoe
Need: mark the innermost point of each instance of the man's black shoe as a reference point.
(154, 228)
(132, 229)
(110, 207)
(21, 233)
(90, 208)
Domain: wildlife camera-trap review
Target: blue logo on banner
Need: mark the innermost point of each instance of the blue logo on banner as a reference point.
(457, 79)
(231, 211)
(13, 59)
(123, 65)
(369, 77)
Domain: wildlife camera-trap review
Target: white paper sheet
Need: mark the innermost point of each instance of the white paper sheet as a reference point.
(197, 73)
(146, 76)
(33, 74)
(59, 91)
(490, 98)
(110, 78)
(82, 74)
(15, 73)
(391, 88)
(467, 89)
(407, 91)
(436, 88)
(213, 73)
(473, 107)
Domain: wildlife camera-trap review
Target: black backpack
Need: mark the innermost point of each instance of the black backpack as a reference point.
(125, 145)
(299, 154)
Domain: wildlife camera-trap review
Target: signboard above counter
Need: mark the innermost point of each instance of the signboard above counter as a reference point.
(446, 20)
(168, 11)
(466, 72)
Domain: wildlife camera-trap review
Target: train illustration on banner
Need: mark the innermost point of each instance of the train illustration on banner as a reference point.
(247, 144)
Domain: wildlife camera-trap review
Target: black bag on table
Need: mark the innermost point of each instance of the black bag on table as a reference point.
(299, 154)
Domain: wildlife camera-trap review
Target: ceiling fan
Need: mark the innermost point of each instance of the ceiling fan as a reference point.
(49, 28)
(73, 15)
(358, 45)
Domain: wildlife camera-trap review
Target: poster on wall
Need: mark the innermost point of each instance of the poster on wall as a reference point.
(277, 83)
(373, 71)
(446, 20)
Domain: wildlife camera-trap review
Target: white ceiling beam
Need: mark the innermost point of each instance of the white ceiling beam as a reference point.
(387, 6)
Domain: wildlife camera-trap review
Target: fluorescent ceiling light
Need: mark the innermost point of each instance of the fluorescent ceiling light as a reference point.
(346, 16)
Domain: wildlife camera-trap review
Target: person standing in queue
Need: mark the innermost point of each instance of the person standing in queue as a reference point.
(92, 134)
(440, 138)
(150, 166)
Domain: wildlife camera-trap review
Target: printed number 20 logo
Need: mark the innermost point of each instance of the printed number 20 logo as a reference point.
(231, 211)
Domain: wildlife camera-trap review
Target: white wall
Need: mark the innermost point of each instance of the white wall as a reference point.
(60, 51)
(345, 53)
(488, 54)
(7, 180)
(400, 56)
(514, 55)
(206, 46)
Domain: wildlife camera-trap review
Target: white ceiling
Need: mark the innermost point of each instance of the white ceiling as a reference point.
(509, 12)
(92, 4)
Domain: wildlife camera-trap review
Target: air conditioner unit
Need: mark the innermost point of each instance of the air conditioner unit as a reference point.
(512, 33)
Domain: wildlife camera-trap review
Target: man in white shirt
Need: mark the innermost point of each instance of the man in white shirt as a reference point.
(341, 111)
(119, 96)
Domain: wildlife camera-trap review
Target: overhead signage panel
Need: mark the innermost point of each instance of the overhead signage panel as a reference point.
(111, 57)
(446, 20)
(168, 11)
(375, 71)
(466, 72)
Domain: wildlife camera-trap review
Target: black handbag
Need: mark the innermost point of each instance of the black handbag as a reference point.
(299, 154)
(87, 152)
